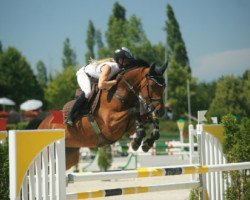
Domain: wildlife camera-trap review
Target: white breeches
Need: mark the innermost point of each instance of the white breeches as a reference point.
(83, 81)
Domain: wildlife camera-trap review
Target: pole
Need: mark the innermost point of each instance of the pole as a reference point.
(166, 73)
(189, 104)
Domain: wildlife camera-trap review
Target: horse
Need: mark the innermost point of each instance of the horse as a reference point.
(114, 112)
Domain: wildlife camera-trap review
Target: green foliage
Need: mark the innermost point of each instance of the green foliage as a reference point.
(105, 158)
(177, 88)
(90, 41)
(129, 32)
(69, 56)
(231, 97)
(4, 171)
(41, 76)
(18, 81)
(194, 194)
(61, 89)
(245, 95)
(236, 147)
(176, 45)
(19, 126)
(202, 95)
(116, 34)
(168, 126)
(1, 47)
(179, 70)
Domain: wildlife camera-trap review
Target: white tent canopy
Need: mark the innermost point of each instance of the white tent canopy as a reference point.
(31, 104)
(6, 102)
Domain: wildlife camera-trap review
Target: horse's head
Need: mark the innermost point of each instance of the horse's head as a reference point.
(152, 88)
(147, 84)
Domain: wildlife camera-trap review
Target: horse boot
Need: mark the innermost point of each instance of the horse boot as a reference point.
(155, 135)
(140, 134)
(75, 111)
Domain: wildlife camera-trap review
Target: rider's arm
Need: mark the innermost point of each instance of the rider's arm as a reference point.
(103, 82)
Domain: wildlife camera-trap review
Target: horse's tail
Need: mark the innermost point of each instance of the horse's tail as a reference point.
(34, 123)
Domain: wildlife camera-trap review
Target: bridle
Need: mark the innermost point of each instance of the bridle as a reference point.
(147, 102)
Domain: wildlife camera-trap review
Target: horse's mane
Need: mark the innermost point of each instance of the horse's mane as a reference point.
(137, 63)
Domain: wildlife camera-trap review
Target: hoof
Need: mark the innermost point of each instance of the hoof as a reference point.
(145, 147)
(135, 145)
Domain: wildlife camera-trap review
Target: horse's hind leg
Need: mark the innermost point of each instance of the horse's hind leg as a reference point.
(72, 156)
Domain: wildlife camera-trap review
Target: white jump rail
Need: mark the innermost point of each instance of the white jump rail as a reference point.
(157, 171)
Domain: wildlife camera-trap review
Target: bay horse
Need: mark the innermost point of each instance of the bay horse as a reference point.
(114, 116)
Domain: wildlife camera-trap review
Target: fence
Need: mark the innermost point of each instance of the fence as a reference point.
(37, 167)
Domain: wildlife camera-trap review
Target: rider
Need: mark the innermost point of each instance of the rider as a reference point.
(99, 71)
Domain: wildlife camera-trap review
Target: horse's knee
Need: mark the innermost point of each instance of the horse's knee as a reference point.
(72, 157)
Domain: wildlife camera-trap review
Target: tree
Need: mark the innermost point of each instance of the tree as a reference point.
(129, 33)
(177, 88)
(90, 41)
(61, 89)
(236, 149)
(4, 171)
(99, 41)
(101, 50)
(41, 74)
(18, 81)
(105, 158)
(202, 94)
(245, 95)
(178, 70)
(139, 44)
(116, 32)
(227, 98)
(69, 56)
(176, 45)
(1, 47)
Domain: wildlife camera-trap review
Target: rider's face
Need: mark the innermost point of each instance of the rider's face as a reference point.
(122, 62)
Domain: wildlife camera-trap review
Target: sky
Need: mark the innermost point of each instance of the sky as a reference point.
(216, 32)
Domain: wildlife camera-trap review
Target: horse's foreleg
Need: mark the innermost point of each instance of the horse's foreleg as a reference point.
(155, 135)
(140, 134)
(72, 157)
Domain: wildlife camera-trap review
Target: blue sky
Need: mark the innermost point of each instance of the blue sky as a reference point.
(216, 32)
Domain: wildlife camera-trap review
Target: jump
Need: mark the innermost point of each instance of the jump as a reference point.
(114, 112)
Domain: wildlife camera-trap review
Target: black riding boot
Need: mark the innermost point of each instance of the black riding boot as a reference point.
(80, 104)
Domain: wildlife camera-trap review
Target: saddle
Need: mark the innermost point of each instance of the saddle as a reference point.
(93, 101)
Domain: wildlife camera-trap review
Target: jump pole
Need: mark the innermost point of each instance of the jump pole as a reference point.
(157, 171)
(132, 190)
(152, 188)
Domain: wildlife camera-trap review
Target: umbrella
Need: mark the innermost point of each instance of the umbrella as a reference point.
(5, 101)
(31, 104)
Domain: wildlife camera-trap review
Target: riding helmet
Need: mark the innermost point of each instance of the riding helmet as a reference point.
(123, 53)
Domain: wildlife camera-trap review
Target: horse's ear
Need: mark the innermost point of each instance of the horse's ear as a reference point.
(164, 67)
(157, 70)
(152, 69)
